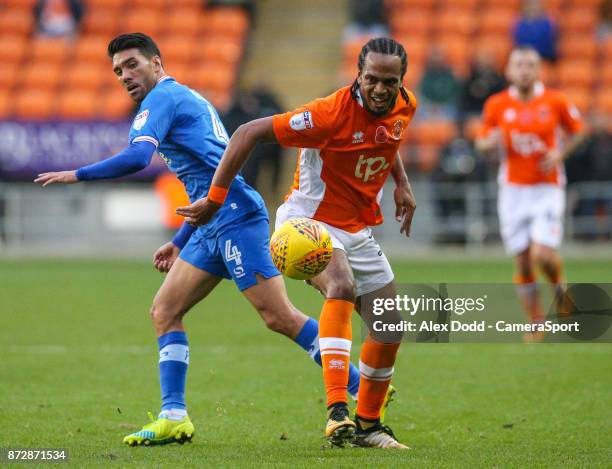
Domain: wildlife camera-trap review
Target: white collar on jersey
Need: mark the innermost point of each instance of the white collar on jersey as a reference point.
(359, 98)
(538, 90)
(163, 78)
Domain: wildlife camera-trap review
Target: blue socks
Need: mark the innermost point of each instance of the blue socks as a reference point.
(174, 360)
(173, 363)
(308, 339)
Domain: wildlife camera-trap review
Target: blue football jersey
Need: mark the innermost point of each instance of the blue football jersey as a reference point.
(191, 139)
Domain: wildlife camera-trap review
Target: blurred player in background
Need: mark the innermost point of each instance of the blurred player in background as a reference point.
(524, 120)
(186, 132)
(348, 145)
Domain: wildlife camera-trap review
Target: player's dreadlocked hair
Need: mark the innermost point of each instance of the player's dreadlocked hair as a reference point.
(387, 46)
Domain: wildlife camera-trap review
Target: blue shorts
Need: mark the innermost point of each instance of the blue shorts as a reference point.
(238, 252)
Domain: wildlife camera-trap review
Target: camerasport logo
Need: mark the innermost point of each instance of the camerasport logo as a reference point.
(301, 121)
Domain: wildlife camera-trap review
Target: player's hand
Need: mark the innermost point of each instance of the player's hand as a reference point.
(551, 160)
(405, 205)
(490, 142)
(164, 257)
(199, 213)
(60, 177)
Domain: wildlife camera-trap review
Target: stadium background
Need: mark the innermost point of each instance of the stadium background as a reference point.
(84, 320)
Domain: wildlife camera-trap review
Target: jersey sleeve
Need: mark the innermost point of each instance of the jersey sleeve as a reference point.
(569, 115)
(154, 120)
(489, 118)
(309, 126)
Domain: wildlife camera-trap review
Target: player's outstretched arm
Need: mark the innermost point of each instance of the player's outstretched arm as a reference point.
(59, 177)
(405, 203)
(135, 157)
(486, 144)
(236, 154)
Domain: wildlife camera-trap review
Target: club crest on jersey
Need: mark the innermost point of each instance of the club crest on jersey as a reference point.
(382, 136)
(358, 137)
(140, 120)
(525, 116)
(398, 127)
(543, 113)
(301, 121)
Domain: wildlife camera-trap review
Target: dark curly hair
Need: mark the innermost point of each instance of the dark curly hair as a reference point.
(387, 46)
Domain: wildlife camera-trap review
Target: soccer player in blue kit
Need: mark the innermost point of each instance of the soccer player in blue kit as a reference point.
(186, 132)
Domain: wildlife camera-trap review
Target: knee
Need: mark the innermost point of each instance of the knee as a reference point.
(525, 269)
(163, 317)
(524, 265)
(274, 321)
(342, 290)
(544, 258)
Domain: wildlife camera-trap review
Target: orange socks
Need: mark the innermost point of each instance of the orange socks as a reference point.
(376, 367)
(527, 289)
(335, 334)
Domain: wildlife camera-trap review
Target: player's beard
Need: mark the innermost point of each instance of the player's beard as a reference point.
(380, 113)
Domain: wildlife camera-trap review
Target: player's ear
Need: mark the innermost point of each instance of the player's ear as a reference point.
(157, 63)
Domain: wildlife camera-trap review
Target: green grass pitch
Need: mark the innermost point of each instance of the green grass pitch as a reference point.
(78, 369)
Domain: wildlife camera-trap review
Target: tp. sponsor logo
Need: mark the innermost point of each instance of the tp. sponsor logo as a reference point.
(367, 168)
(527, 144)
(301, 121)
(358, 137)
(140, 120)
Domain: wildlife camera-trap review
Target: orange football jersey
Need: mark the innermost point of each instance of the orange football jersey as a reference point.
(345, 156)
(530, 129)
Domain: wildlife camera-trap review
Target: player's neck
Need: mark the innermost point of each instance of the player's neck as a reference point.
(161, 75)
(526, 94)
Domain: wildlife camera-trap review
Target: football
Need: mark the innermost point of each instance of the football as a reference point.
(301, 248)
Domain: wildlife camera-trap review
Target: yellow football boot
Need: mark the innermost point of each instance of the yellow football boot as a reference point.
(340, 428)
(162, 431)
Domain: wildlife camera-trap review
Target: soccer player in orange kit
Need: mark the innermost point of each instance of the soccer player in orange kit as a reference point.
(348, 145)
(524, 120)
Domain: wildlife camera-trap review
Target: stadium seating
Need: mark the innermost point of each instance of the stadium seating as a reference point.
(203, 47)
(34, 104)
(54, 78)
(8, 77)
(12, 49)
(5, 105)
(16, 21)
(466, 27)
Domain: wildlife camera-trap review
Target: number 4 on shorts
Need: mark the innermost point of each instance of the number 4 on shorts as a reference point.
(232, 253)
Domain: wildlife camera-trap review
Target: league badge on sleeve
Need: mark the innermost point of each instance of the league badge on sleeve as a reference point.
(301, 121)
(140, 119)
